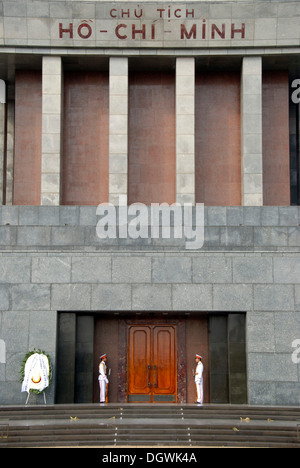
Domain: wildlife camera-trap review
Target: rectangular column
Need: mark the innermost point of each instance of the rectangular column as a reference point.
(2, 139)
(51, 130)
(251, 124)
(185, 130)
(118, 130)
(10, 151)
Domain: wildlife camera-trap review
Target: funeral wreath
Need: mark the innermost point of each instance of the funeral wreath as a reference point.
(36, 372)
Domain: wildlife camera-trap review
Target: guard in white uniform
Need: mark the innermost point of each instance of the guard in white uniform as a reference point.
(103, 380)
(199, 379)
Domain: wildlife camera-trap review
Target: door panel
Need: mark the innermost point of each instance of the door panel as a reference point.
(139, 359)
(164, 360)
(152, 363)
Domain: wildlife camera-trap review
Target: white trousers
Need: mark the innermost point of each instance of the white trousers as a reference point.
(102, 386)
(199, 387)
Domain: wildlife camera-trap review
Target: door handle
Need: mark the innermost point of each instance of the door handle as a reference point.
(148, 376)
(155, 376)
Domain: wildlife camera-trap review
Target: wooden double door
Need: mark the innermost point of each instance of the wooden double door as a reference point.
(152, 363)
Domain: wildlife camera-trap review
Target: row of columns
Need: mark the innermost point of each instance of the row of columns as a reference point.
(251, 127)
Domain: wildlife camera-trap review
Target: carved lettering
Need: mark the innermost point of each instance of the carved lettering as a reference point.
(117, 31)
(215, 29)
(161, 10)
(153, 31)
(138, 13)
(238, 31)
(63, 31)
(84, 31)
(139, 31)
(190, 13)
(198, 30)
(178, 13)
(188, 35)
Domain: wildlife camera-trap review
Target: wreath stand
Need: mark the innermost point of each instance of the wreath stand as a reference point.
(45, 401)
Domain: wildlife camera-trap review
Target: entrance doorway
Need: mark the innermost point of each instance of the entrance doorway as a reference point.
(152, 363)
(151, 357)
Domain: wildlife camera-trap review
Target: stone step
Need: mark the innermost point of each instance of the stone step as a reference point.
(180, 425)
(135, 432)
(61, 411)
(154, 439)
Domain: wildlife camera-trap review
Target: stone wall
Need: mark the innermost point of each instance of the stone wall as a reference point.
(265, 228)
(51, 261)
(47, 24)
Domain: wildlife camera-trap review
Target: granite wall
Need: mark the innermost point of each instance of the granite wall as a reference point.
(52, 260)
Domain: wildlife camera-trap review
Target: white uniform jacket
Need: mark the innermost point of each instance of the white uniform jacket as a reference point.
(199, 373)
(102, 372)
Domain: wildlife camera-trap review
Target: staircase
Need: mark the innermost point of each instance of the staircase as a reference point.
(129, 425)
